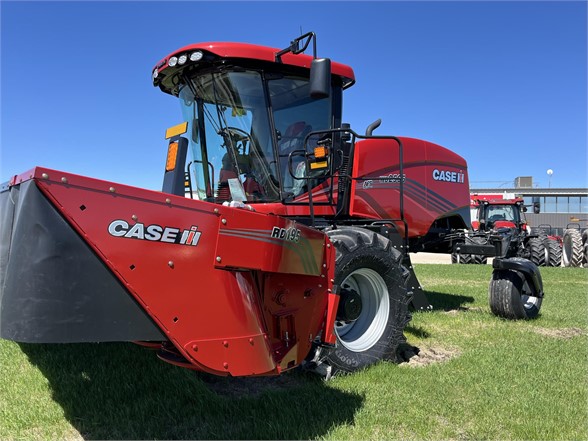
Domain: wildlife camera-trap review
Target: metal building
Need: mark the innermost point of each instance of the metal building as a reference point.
(557, 208)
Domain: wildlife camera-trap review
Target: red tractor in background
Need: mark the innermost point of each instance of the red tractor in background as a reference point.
(280, 237)
(505, 215)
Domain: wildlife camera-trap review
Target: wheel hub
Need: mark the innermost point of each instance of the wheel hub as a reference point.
(373, 306)
(349, 305)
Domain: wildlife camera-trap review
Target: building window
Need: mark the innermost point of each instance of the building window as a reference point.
(561, 204)
(550, 204)
(574, 204)
(583, 204)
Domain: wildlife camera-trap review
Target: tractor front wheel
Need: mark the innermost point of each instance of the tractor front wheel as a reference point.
(475, 259)
(369, 273)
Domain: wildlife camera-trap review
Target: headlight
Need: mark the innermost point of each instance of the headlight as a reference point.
(182, 59)
(196, 56)
(172, 61)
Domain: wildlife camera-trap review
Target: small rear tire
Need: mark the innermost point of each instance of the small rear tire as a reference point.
(511, 297)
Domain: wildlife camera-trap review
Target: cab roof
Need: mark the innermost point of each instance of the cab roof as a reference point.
(242, 51)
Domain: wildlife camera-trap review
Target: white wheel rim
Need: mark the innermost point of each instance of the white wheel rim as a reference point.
(366, 331)
(529, 301)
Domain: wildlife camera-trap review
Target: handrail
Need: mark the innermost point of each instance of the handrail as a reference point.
(331, 172)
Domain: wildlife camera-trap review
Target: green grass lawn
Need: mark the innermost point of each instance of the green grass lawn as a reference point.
(481, 377)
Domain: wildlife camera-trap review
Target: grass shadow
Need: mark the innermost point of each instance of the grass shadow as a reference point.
(448, 302)
(121, 391)
(417, 332)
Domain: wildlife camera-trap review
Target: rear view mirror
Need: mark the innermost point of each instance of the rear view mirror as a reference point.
(320, 78)
(537, 204)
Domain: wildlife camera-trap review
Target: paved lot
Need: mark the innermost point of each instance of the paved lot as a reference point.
(430, 258)
(434, 258)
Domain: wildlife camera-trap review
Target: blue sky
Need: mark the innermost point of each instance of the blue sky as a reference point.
(501, 83)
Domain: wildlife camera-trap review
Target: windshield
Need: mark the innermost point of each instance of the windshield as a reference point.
(231, 153)
(295, 115)
(230, 149)
(501, 213)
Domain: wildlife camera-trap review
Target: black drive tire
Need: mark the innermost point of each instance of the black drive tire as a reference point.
(478, 259)
(457, 258)
(585, 248)
(367, 263)
(467, 259)
(464, 259)
(511, 297)
(537, 250)
(553, 252)
(572, 248)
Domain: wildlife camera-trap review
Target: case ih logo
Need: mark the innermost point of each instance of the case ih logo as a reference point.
(154, 233)
(448, 176)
